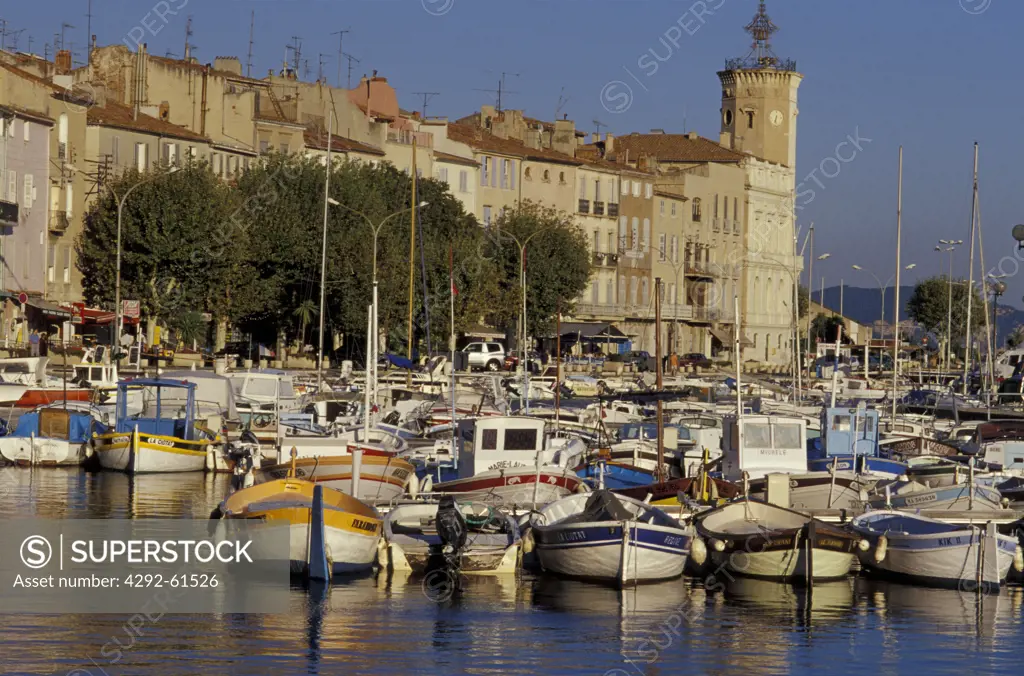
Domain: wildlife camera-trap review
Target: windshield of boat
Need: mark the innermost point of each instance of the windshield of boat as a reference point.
(788, 436)
(757, 435)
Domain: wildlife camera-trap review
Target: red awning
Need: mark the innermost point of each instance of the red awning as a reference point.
(94, 316)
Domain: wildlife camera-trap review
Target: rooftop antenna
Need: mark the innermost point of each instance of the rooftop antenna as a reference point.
(320, 67)
(30, 44)
(563, 100)
(350, 60)
(297, 52)
(341, 41)
(188, 35)
(305, 69)
(426, 99)
(88, 34)
(598, 124)
(248, 60)
(63, 27)
(500, 91)
(170, 55)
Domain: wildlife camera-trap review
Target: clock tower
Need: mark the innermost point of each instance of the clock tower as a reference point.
(759, 98)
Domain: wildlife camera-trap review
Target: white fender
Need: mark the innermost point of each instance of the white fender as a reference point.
(414, 486)
(427, 485)
(211, 461)
(864, 545)
(382, 553)
(698, 551)
(1018, 559)
(881, 547)
(718, 545)
(528, 543)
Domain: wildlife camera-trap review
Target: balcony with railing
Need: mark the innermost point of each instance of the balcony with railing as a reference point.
(613, 209)
(606, 260)
(59, 221)
(599, 208)
(8, 214)
(700, 269)
(584, 207)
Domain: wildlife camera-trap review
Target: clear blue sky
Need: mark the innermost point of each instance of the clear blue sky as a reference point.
(927, 74)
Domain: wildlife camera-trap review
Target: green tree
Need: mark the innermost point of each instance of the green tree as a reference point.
(803, 299)
(1016, 337)
(166, 235)
(824, 328)
(929, 307)
(305, 312)
(189, 327)
(557, 264)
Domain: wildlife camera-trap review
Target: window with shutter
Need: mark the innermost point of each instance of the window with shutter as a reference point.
(512, 174)
(635, 242)
(483, 171)
(26, 126)
(463, 181)
(662, 244)
(647, 235)
(625, 186)
(67, 264)
(51, 255)
(12, 186)
(28, 191)
(494, 172)
(583, 188)
(69, 199)
(115, 150)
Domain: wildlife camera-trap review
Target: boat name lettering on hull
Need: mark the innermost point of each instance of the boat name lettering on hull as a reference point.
(400, 473)
(829, 542)
(771, 451)
(947, 542)
(506, 464)
(922, 499)
(572, 536)
(364, 525)
(160, 442)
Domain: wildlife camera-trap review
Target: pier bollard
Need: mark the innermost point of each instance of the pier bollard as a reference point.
(263, 363)
(247, 363)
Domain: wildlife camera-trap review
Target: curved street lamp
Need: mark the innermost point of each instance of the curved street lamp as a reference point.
(116, 339)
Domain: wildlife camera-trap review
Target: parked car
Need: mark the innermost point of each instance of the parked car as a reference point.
(694, 359)
(489, 356)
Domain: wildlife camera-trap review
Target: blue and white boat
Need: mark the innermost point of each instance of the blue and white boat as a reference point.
(610, 538)
(53, 436)
(849, 443)
(959, 497)
(929, 552)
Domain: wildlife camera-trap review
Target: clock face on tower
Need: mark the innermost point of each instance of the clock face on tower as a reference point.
(775, 117)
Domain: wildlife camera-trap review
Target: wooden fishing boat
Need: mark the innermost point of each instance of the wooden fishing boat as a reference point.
(351, 528)
(413, 543)
(610, 538)
(52, 437)
(924, 551)
(958, 497)
(757, 539)
(153, 441)
(820, 490)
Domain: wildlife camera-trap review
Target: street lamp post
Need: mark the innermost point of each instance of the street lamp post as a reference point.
(523, 372)
(371, 359)
(950, 246)
(117, 284)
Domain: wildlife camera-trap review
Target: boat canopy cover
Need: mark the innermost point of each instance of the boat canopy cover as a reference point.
(79, 426)
(400, 362)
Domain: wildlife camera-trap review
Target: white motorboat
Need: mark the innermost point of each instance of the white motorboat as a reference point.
(917, 549)
(610, 538)
(492, 539)
(52, 436)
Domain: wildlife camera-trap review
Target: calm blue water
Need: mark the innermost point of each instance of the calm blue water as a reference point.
(534, 625)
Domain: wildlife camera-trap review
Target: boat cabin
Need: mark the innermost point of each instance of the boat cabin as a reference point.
(849, 431)
(499, 442)
(1000, 444)
(165, 414)
(759, 444)
(24, 370)
(263, 389)
(96, 374)
(672, 437)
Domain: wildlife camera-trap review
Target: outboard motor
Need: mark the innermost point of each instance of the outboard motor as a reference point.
(243, 453)
(452, 529)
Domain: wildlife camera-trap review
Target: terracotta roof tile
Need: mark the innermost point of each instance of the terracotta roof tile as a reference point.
(120, 116)
(674, 148)
(318, 141)
(481, 140)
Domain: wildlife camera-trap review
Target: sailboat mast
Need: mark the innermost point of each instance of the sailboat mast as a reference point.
(968, 340)
(323, 260)
(660, 475)
(412, 258)
(896, 304)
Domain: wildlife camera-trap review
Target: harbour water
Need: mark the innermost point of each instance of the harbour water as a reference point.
(500, 625)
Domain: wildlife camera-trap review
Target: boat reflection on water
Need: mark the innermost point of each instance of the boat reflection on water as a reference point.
(189, 495)
(949, 612)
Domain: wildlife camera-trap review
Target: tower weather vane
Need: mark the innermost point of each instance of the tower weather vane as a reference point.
(761, 29)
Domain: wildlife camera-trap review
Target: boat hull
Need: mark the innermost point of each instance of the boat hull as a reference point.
(514, 487)
(785, 564)
(142, 453)
(43, 452)
(953, 558)
(381, 478)
(817, 491)
(618, 552)
(33, 397)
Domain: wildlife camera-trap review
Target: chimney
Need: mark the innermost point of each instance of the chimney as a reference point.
(564, 140)
(657, 131)
(229, 64)
(595, 137)
(62, 62)
(691, 135)
(609, 144)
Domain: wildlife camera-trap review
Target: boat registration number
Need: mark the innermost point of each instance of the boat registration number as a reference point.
(120, 440)
(368, 526)
(673, 541)
(400, 473)
(947, 542)
(922, 499)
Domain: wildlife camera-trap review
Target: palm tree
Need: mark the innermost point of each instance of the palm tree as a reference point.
(305, 312)
(1016, 337)
(189, 327)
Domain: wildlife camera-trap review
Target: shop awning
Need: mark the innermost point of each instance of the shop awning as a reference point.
(600, 332)
(49, 309)
(94, 316)
(726, 338)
